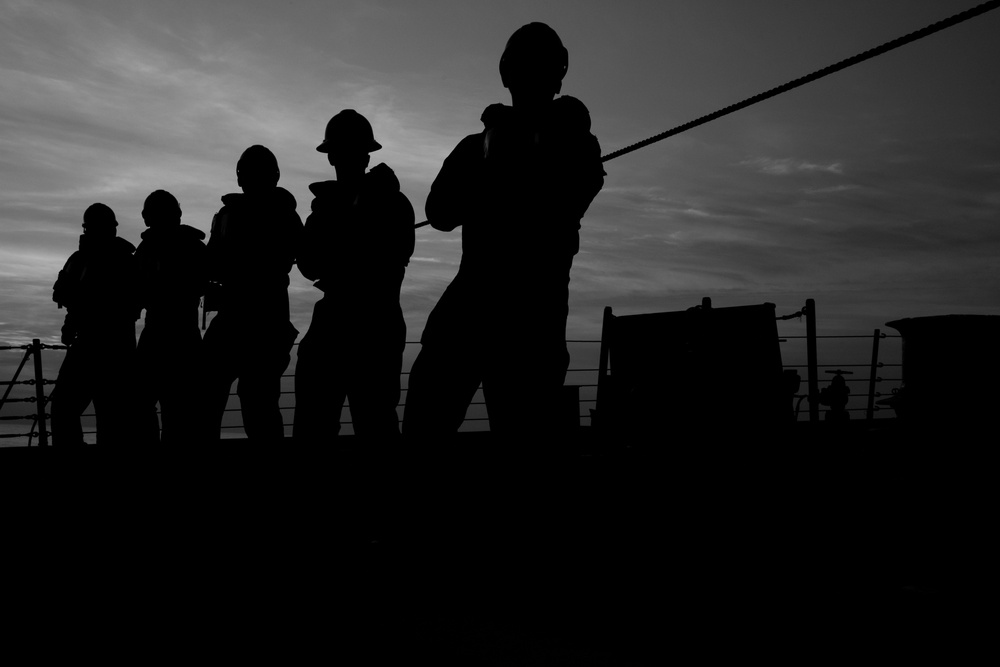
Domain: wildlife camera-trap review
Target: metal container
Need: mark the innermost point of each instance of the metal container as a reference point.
(950, 370)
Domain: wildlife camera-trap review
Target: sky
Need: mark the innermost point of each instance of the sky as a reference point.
(875, 191)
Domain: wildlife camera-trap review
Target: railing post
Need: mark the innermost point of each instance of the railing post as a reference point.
(602, 406)
(813, 365)
(872, 379)
(43, 435)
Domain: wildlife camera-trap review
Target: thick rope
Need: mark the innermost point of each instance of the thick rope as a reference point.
(801, 81)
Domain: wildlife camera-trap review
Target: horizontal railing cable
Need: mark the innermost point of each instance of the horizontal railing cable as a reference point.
(587, 399)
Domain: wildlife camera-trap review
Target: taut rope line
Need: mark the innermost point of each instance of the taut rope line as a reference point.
(818, 74)
(801, 81)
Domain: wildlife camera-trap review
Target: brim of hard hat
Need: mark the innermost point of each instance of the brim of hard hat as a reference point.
(331, 147)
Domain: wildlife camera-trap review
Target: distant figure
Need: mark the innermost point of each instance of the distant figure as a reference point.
(97, 288)
(836, 396)
(519, 188)
(251, 251)
(171, 265)
(357, 244)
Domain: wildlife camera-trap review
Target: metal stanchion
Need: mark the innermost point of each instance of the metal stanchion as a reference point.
(43, 435)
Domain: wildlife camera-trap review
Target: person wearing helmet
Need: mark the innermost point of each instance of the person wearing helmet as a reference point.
(96, 286)
(171, 265)
(251, 250)
(357, 243)
(519, 190)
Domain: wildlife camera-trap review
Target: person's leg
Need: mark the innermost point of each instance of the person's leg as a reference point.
(181, 390)
(375, 392)
(319, 392)
(523, 391)
(148, 383)
(70, 397)
(527, 368)
(441, 385)
(259, 390)
(116, 394)
(219, 361)
(259, 394)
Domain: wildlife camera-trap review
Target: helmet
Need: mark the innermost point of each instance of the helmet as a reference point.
(160, 204)
(258, 166)
(534, 52)
(98, 218)
(348, 130)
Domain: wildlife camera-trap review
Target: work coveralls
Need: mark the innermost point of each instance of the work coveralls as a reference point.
(97, 288)
(357, 244)
(171, 265)
(251, 251)
(519, 189)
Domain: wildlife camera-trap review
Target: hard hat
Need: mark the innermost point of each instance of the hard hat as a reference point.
(348, 130)
(161, 202)
(257, 164)
(534, 51)
(99, 216)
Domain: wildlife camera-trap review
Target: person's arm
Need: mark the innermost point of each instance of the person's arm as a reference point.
(404, 218)
(295, 231)
(311, 244)
(64, 289)
(455, 193)
(586, 173)
(213, 267)
(199, 268)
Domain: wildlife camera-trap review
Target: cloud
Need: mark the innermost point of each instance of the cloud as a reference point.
(785, 166)
(833, 189)
(105, 108)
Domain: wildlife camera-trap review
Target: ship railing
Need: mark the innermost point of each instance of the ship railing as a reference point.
(880, 381)
(37, 383)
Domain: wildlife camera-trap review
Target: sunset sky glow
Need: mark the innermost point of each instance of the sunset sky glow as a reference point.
(875, 191)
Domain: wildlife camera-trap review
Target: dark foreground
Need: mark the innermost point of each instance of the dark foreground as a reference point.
(794, 549)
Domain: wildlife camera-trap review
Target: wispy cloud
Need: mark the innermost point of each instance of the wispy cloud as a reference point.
(833, 189)
(785, 166)
(109, 101)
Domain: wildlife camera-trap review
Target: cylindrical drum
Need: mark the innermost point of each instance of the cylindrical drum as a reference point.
(950, 365)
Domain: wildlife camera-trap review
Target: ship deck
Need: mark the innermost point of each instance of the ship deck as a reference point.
(469, 552)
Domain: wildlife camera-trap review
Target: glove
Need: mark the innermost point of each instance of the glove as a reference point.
(68, 333)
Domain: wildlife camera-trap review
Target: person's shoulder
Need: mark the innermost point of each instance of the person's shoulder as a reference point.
(75, 258)
(469, 148)
(383, 179)
(190, 234)
(572, 113)
(284, 198)
(495, 115)
(230, 202)
(147, 243)
(323, 189)
(232, 199)
(123, 246)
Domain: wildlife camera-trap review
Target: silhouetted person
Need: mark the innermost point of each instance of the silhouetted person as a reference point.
(836, 396)
(171, 265)
(519, 189)
(251, 250)
(357, 243)
(97, 288)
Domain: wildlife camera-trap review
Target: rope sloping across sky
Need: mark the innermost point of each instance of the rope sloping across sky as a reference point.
(801, 81)
(818, 74)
